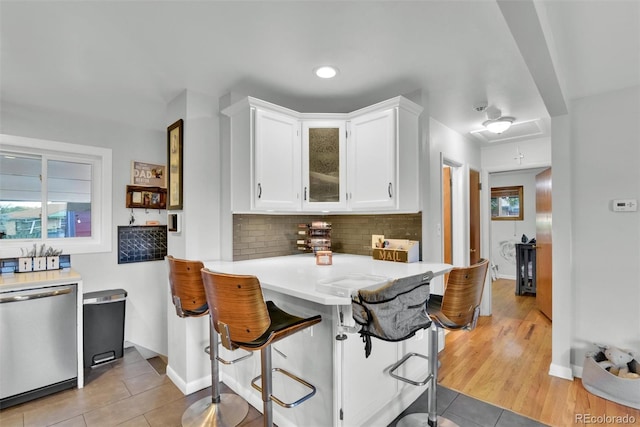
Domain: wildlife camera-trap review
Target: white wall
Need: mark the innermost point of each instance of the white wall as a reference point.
(605, 245)
(450, 145)
(189, 366)
(145, 318)
(505, 234)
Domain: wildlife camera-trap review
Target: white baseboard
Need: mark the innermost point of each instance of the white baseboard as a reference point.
(506, 276)
(577, 371)
(561, 371)
(190, 387)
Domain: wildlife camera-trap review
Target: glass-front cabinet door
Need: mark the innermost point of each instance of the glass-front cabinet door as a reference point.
(323, 165)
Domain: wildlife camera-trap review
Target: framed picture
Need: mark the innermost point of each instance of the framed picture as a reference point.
(148, 174)
(175, 162)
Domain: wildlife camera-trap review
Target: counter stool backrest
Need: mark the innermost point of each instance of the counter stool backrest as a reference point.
(462, 296)
(237, 302)
(187, 290)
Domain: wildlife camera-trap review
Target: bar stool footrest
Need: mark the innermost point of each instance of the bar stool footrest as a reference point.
(401, 362)
(293, 377)
(207, 350)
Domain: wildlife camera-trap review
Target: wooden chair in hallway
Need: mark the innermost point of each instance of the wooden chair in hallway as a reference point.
(458, 308)
(243, 319)
(190, 300)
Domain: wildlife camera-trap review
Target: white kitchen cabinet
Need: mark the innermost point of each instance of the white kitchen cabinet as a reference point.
(265, 150)
(383, 157)
(283, 161)
(372, 161)
(276, 161)
(324, 165)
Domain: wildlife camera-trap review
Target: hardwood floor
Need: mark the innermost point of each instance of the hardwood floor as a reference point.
(505, 361)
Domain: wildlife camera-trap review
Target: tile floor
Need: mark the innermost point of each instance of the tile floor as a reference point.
(134, 391)
(468, 412)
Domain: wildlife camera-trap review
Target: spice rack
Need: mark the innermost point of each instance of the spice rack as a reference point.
(314, 237)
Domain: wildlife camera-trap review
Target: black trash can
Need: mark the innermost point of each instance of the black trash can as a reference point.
(103, 326)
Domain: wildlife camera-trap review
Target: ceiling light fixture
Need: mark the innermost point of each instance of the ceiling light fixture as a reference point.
(326, 72)
(496, 123)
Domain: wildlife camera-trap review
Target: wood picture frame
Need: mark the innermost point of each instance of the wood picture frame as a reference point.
(175, 165)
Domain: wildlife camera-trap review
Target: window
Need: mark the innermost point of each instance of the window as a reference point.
(54, 194)
(506, 203)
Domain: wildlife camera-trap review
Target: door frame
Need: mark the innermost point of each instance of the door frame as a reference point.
(459, 214)
(485, 222)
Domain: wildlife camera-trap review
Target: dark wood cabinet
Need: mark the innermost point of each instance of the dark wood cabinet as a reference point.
(525, 268)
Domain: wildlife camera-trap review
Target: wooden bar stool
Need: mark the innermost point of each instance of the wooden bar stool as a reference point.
(190, 300)
(458, 308)
(245, 320)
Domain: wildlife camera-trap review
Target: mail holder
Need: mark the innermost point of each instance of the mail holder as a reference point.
(398, 250)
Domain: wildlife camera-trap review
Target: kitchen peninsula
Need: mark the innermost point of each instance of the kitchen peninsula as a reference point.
(351, 390)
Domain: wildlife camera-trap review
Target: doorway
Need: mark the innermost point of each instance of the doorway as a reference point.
(474, 217)
(504, 235)
(455, 239)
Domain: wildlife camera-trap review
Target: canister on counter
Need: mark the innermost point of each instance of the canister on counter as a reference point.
(324, 258)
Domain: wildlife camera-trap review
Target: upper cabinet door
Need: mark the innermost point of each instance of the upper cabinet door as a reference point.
(324, 165)
(372, 156)
(276, 162)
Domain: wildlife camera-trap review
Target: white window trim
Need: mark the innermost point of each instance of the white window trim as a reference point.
(101, 209)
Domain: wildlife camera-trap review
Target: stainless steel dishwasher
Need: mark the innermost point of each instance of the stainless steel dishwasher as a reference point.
(38, 342)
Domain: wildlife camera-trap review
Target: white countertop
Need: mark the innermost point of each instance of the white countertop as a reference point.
(17, 281)
(298, 275)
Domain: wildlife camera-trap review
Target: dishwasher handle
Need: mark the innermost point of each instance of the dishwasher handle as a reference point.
(45, 294)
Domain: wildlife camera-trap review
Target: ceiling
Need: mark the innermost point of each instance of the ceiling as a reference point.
(124, 61)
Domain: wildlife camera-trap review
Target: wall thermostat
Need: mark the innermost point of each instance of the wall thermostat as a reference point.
(625, 205)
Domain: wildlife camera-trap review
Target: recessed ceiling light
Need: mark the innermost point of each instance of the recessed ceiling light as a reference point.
(326, 72)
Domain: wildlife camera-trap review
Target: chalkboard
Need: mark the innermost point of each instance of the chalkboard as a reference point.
(140, 243)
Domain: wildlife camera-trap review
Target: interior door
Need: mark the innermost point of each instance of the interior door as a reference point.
(543, 242)
(446, 216)
(474, 216)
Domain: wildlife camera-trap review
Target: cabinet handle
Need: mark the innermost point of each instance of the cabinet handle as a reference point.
(389, 189)
(305, 194)
(259, 190)
(44, 294)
